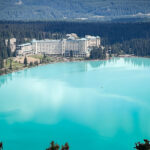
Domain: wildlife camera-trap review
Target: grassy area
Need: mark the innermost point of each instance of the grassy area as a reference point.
(10, 66)
(49, 59)
(46, 58)
(15, 65)
(37, 56)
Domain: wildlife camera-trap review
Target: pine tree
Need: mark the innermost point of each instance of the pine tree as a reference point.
(1, 63)
(31, 64)
(25, 61)
(8, 48)
(1, 145)
(10, 67)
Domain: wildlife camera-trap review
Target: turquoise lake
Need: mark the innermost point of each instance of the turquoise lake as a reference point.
(91, 105)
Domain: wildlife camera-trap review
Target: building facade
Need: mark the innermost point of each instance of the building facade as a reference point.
(25, 49)
(70, 47)
(12, 44)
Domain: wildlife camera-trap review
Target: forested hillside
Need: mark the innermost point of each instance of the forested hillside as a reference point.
(132, 38)
(110, 32)
(73, 9)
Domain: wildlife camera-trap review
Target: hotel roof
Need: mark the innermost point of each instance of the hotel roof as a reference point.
(26, 44)
(45, 41)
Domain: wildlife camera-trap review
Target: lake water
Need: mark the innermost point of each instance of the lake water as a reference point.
(91, 105)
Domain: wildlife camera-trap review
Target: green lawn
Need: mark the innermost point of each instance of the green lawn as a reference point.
(37, 56)
(15, 65)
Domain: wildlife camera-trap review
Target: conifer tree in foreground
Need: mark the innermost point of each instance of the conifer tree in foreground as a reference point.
(138, 146)
(1, 145)
(141, 146)
(56, 146)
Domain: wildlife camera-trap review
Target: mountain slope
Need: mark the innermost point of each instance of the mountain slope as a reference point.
(73, 9)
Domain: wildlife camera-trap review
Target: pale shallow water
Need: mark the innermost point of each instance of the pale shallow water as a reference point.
(92, 105)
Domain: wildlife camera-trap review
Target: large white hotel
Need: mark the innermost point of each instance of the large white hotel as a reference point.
(72, 45)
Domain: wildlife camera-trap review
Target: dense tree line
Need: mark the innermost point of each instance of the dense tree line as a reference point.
(5, 51)
(110, 32)
(138, 47)
(98, 53)
(128, 37)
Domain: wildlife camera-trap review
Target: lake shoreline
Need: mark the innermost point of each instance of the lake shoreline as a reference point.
(66, 60)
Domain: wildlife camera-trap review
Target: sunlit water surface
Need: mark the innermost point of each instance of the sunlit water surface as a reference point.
(99, 105)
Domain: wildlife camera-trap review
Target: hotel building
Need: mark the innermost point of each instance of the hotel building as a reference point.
(71, 46)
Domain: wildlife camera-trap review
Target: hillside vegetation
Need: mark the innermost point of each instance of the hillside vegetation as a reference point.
(73, 9)
(118, 38)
